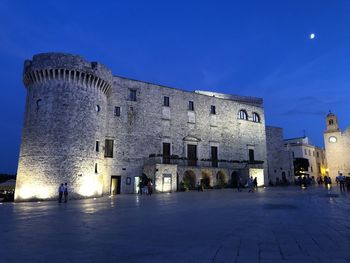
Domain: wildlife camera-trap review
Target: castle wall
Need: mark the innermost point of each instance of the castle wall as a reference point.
(65, 114)
(71, 113)
(144, 124)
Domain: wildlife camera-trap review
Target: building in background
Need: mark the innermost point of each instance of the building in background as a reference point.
(102, 134)
(337, 145)
(301, 148)
(279, 159)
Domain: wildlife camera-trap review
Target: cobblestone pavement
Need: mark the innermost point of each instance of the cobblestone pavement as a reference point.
(271, 225)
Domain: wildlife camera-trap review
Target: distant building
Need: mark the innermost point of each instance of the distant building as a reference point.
(279, 159)
(302, 148)
(337, 145)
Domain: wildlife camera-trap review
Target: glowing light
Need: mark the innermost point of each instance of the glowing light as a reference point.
(90, 185)
(34, 191)
(259, 174)
(312, 36)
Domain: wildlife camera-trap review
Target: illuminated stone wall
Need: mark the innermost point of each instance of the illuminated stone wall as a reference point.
(71, 105)
(338, 149)
(279, 159)
(66, 109)
(145, 124)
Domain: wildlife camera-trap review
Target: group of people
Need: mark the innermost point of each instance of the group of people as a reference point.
(146, 187)
(252, 184)
(63, 191)
(325, 180)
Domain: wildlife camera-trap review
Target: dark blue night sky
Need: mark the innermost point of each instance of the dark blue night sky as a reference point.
(254, 48)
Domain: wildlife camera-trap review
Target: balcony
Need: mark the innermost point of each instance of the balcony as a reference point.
(183, 161)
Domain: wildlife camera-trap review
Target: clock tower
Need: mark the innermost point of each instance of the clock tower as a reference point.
(337, 147)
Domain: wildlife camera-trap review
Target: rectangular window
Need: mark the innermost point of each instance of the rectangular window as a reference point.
(97, 146)
(305, 151)
(117, 111)
(166, 152)
(109, 148)
(318, 155)
(251, 155)
(214, 156)
(191, 155)
(132, 95)
(212, 109)
(166, 102)
(190, 106)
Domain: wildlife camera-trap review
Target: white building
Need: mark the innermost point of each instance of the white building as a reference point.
(302, 148)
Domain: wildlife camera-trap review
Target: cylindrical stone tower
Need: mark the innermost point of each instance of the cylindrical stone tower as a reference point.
(64, 127)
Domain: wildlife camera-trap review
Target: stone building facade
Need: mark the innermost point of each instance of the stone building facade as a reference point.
(337, 145)
(100, 133)
(302, 148)
(279, 158)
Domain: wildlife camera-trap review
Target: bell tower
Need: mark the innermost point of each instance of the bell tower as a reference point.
(332, 123)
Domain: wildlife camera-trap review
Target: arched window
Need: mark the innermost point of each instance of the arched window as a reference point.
(98, 108)
(38, 104)
(242, 114)
(256, 117)
(330, 122)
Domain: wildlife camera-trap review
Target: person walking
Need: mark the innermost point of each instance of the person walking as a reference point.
(150, 187)
(239, 183)
(256, 183)
(341, 179)
(251, 184)
(60, 193)
(65, 192)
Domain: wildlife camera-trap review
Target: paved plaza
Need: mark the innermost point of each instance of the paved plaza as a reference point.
(271, 225)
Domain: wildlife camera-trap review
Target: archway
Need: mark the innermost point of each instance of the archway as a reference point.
(205, 180)
(189, 180)
(234, 178)
(221, 179)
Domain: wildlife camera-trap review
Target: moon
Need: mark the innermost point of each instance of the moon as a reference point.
(312, 36)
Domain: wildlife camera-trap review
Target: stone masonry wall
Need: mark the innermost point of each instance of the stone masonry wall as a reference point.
(145, 124)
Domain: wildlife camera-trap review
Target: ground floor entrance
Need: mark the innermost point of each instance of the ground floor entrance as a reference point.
(115, 185)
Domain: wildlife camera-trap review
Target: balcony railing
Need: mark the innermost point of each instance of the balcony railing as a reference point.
(183, 161)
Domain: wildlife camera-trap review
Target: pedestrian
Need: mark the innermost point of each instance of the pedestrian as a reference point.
(140, 187)
(304, 181)
(251, 184)
(60, 193)
(256, 183)
(150, 187)
(300, 182)
(341, 179)
(239, 183)
(65, 192)
(325, 181)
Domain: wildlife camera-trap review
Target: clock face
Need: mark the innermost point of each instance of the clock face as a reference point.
(332, 139)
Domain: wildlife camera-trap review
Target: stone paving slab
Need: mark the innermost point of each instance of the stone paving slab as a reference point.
(271, 225)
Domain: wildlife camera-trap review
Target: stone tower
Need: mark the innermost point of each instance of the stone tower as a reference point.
(337, 147)
(332, 123)
(64, 125)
